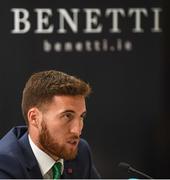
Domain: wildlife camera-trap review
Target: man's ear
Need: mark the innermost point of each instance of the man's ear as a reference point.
(34, 117)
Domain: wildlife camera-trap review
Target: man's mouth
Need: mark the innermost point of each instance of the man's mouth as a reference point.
(73, 142)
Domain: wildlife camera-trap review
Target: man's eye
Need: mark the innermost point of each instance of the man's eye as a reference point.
(83, 117)
(68, 116)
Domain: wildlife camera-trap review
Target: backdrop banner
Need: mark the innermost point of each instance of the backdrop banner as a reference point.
(120, 48)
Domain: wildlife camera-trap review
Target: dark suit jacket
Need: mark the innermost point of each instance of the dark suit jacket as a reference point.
(18, 161)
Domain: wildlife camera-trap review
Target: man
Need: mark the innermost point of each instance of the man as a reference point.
(53, 106)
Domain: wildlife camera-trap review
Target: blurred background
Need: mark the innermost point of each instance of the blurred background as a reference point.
(121, 47)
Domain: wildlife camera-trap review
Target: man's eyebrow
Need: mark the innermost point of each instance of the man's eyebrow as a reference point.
(71, 111)
(68, 111)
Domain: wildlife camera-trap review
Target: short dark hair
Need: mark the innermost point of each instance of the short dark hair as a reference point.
(43, 86)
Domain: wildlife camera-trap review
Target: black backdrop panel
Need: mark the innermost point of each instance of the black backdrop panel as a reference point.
(116, 46)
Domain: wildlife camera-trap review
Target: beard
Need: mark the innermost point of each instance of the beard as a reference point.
(52, 147)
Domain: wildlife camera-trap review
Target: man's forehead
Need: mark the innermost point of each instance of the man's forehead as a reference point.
(69, 99)
(71, 103)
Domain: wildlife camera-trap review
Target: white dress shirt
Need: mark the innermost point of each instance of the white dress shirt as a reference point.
(45, 162)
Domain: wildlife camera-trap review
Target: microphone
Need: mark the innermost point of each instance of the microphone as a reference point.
(128, 168)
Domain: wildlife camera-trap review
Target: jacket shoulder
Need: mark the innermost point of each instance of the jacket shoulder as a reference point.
(9, 143)
(84, 150)
(84, 144)
(10, 167)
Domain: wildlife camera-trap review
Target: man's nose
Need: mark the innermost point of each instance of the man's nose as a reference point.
(77, 127)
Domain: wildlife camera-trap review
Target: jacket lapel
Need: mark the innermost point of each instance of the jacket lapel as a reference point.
(30, 160)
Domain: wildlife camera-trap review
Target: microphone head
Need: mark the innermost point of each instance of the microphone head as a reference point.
(124, 166)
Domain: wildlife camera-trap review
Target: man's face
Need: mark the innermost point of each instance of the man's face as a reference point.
(61, 125)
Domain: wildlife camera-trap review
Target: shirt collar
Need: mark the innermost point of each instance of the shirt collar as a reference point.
(44, 160)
